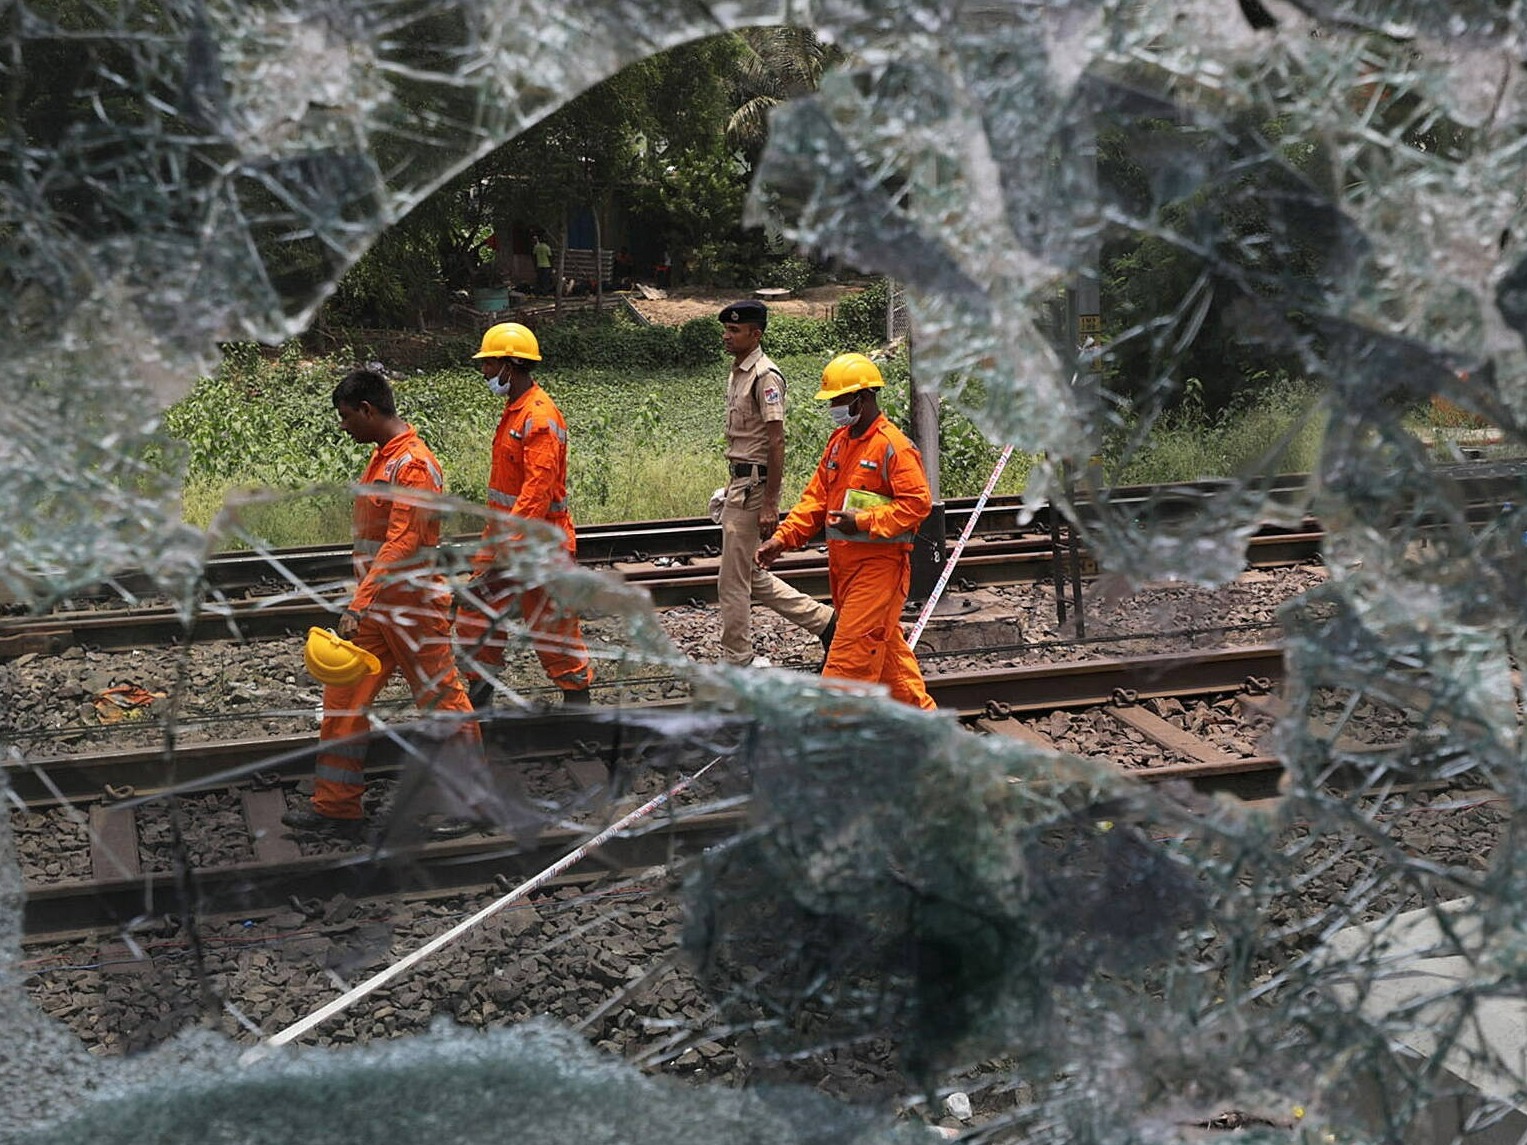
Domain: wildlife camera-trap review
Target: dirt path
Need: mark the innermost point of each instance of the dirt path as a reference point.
(686, 302)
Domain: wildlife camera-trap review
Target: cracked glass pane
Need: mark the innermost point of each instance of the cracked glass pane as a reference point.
(1195, 848)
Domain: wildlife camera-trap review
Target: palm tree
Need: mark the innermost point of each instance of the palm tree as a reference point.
(775, 64)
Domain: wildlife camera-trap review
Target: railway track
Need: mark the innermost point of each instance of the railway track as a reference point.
(637, 543)
(988, 561)
(274, 594)
(120, 889)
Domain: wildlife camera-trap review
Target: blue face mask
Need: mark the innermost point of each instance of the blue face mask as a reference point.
(843, 416)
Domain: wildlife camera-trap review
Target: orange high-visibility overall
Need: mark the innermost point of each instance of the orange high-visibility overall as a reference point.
(405, 619)
(528, 479)
(869, 571)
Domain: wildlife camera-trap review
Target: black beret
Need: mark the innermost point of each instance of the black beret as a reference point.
(748, 310)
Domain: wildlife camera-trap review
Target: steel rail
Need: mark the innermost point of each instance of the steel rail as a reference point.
(68, 907)
(266, 884)
(989, 562)
(638, 541)
(1039, 687)
(1008, 550)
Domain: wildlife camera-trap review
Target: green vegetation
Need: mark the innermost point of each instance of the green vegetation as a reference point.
(644, 412)
(1275, 428)
(646, 433)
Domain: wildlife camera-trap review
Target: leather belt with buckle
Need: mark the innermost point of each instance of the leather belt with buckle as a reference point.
(748, 469)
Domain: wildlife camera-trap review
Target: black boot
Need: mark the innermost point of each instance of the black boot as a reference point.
(826, 638)
(826, 635)
(575, 698)
(306, 819)
(480, 694)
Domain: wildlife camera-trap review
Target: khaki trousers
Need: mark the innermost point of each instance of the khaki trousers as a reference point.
(742, 583)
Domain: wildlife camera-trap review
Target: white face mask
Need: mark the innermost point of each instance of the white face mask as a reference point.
(843, 416)
(498, 385)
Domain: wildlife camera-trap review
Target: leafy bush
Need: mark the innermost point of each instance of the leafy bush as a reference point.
(789, 335)
(618, 343)
(859, 320)
(264, 422)
(700, 342)
(791, 272)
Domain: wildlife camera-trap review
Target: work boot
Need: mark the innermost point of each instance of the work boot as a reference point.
(825, 636)
(480, 695)
(306, 819)
(575, 698)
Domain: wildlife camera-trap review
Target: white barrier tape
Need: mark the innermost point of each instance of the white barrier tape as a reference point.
(346, 1000)
(954, 557)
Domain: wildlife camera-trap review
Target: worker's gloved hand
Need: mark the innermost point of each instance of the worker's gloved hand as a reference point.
(349, 623)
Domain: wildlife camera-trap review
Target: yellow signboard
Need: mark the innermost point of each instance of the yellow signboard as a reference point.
(1089, 323)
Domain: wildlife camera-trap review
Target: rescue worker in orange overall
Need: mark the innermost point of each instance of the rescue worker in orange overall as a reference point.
(870, 493)
(400, 611)
(528, 479)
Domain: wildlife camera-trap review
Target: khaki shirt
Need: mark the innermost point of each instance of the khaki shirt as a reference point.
(755, 395)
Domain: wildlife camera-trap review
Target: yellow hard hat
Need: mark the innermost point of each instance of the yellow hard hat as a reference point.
(509, 340)
(848, 374)
(331, 660)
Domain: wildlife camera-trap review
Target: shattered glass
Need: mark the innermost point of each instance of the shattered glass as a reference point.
(1342, 180)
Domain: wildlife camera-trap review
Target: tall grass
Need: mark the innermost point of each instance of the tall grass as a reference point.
(1275, 429)
(643, 445)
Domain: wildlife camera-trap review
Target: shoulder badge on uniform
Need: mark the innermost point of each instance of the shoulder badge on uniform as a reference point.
(773, 388)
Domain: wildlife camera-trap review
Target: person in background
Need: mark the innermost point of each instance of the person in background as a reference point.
(870, 492)
(755, 458)
(541, 252)
(400, 610)
(622, 269)
(527, 480)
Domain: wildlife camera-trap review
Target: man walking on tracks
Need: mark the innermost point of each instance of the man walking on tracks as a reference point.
(755, 457)
(870, 492)
(528, 480)
(400, 612)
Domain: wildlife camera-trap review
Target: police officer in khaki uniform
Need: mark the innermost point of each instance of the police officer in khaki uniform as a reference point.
(755, 455)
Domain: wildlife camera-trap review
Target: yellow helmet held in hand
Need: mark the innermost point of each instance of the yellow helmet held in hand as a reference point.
(848, 374)
(509, 340)
(331, 660)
